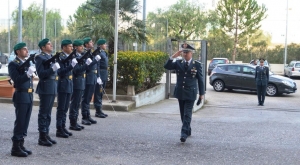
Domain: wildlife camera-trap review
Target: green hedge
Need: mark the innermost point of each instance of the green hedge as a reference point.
(140, 69)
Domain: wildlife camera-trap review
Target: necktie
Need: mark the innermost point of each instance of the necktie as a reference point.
(186, 65)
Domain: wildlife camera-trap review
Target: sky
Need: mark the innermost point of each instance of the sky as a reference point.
(274, 24)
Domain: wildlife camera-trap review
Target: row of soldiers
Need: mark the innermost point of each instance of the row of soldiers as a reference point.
(72, 80)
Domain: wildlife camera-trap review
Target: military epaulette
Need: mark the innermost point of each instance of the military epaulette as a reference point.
(16, 60)
(197, 61)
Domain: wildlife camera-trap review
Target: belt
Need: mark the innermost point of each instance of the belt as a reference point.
(52, 78)
(93, 71)
(80, 75)
(104, 68)
(29, 90)
(68, 77)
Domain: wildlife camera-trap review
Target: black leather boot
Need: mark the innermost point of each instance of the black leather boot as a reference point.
(74, 126)
(16, 150)
(100, 114)
(66, 131)
(92, 120)
(61, 133)
(85, 120)
(50, 139)
(43, 141)
(23, 148)
(80, 126)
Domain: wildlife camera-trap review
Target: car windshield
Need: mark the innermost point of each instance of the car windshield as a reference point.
(218, 61)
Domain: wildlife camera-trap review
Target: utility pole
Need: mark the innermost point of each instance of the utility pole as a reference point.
(144, 20)
(115, 51)
(8, 43)
(20, 22)
(44, 20)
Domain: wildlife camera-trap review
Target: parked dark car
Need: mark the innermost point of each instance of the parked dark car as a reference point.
(242, 76)
(214, 62)
(3, 58)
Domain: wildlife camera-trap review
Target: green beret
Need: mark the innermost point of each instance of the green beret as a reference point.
(101, 41)
(86, 40)
(19, 46)
(66, 42)
(77, 42)
(43, 42)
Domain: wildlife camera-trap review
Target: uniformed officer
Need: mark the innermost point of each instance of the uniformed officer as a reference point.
(22, 99)
(261, 79)
(92, 73)
(78, 84)
(100, 87)
(189, 80)
(64, 88)
(46, 89)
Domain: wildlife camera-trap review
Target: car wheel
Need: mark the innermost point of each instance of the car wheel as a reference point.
(272, 90)
(218, 85)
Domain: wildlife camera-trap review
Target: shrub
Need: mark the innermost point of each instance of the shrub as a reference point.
(140, 69)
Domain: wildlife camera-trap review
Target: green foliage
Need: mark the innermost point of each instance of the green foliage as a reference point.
(240, 18)
(140, 69)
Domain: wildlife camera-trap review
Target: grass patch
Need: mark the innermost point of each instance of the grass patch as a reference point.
(3, 77)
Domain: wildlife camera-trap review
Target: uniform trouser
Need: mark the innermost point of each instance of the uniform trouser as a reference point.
(261, 93)
(98, 95)
(75, 103)
(87, 97)
(23, 113)
(186, 110)
(44, 117)
(63, 103)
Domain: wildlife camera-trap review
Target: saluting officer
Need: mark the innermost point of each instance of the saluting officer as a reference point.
(64, 88)
(92, 73)
(100, 87)
(46, 89)
(78, 84)
(261, 79)
(22, 99)
(189, 80)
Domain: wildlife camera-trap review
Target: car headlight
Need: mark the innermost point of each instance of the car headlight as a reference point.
(288, 83)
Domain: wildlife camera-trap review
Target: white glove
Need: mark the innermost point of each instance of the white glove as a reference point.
(88, 61)
(99, 81)
(31, 71)
(55, 66)
(97, 58)
(74, 62)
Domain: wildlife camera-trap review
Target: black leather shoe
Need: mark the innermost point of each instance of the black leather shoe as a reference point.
(23, 148)
(262, 104)
(85, 121)
(92, 120)
(80, 126)
(16, 150)
(183, 139)
(50, 139)
(100, 115)
(61, 133)
(67, 132)
(75, 127)
(43, 141)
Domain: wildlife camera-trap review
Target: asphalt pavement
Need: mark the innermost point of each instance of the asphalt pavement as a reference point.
(229, 129)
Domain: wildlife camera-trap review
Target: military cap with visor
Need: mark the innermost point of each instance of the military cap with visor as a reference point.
(187, 48)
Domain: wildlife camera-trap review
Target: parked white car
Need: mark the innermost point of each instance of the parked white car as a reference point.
(293, 69)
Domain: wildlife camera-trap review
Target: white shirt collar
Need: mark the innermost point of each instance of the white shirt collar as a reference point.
(189, 61)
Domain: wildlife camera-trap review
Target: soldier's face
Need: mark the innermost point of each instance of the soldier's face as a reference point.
(22, 53)
(47, 48)
(103, 46)
(79, 49)
(187, 55)
(68, 48)
(90, 45)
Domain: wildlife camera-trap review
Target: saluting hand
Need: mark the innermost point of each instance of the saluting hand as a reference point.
(175, 55)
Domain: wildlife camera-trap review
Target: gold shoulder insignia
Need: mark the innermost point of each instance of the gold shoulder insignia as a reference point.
(17, 61)
(198, 61)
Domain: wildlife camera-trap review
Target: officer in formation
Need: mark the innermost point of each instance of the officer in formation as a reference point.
(78, 84)
(92, 75)
(46, 89)
(100, 87)
(189, 80)
(261, 79)
(22, 99)
(64, 88)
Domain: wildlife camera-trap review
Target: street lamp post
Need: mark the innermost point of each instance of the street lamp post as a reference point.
(286, 31)
(20, 22)
(115, 51)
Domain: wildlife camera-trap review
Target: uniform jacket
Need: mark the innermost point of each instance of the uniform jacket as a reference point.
(21, 81)
(261, 75)
(188, 80)
(47, 77)
(92, 72)
(103, 64)
(65, 82)
(79, 74)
